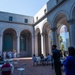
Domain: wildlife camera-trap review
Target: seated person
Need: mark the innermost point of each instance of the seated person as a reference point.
(10, 54)
(48, 58)
(7, 68)
(34, 59)
(42, 59)
(14, 54)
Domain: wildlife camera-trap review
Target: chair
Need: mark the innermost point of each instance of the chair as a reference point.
(38, 60)
(6, 70)
(21, 69)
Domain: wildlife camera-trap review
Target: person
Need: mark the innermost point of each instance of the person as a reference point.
(6, 65)
(42, 59)
(4, 55)
(10, 54)
(56, 58)
(48, 58)
(1, 60)
(69, 62)
(34, 59)
(14, 54)
(52, 62)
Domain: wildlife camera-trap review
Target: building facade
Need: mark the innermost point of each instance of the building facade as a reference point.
(35, 34)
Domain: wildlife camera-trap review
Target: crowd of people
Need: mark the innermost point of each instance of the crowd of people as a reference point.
(9, 54)
(43, 60)
(57, 60)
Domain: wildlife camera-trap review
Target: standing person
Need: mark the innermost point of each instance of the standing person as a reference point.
(69, 62)
(56, 58)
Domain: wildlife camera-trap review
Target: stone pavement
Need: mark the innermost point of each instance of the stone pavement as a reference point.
(32, 70)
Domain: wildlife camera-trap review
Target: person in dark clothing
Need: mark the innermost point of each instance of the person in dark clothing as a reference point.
(56, 57)
(1, 60)
(69, 62)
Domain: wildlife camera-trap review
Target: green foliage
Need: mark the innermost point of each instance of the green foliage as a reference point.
(62, 49)
(60, 39)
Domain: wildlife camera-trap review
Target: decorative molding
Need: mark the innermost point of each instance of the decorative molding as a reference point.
(15, 22)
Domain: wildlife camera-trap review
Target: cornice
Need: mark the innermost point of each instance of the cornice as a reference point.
(16, 22)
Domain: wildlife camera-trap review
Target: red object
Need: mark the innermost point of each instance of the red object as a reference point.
(6, 66)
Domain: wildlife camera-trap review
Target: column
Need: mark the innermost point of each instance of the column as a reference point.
(43, 44)
(1, 44)
(33, 43)
(49, 43)
(36, 45)
(72, 32)
(18, 44)
(54, 37)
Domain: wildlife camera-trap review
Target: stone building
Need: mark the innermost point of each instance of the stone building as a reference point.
(35, 34)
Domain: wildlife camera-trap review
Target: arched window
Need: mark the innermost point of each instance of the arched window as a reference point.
(7, 42)
(23, 42)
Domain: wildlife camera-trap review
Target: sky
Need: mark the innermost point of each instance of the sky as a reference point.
(24, 7)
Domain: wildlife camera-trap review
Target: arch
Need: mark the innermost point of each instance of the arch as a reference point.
(72, 10)
(64, 36)
(59, 15)
(6, 28)
(37, 31)
(25, 43)
(9, 39)
(38, 41)
(46, 37)
(45, 26)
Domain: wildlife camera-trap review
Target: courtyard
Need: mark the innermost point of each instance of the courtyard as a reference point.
(30, 69)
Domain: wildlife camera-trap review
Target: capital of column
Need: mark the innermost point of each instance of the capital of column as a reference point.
(71, 21)
(43, 34)
(54, 28)
(18, 36)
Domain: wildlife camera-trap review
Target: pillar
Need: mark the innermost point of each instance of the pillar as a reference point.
(72, 32)
(43, 44)
(54, 36)
(49, 43)
(1, 44)
(18, 44)
(36, 45)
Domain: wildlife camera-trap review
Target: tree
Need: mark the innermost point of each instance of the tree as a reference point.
(60, 39)
(62, 48)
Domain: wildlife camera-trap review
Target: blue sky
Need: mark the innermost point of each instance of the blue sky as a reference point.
(25, 7)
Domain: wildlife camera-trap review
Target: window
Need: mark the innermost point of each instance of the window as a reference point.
(10, 18)
(26, 20)
(45, 11)
(36, 18)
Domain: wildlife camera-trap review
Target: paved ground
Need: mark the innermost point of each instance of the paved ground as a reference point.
(32, 70)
